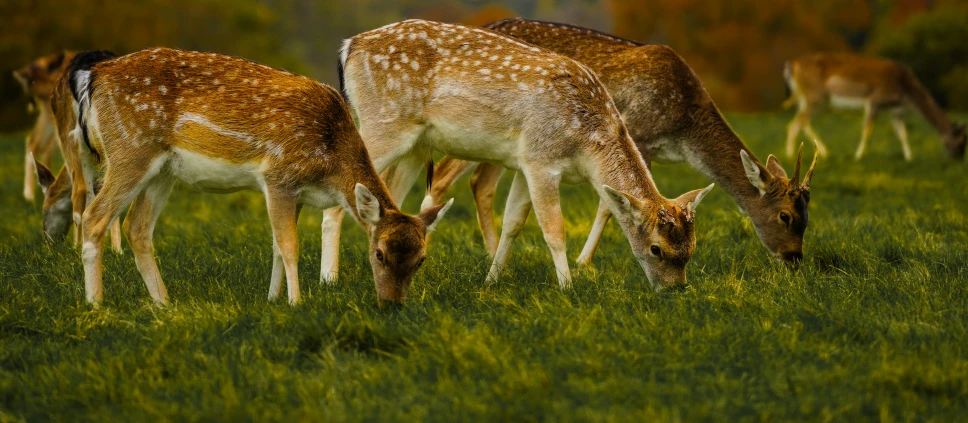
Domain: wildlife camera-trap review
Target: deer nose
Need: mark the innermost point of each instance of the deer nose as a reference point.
(792, 257)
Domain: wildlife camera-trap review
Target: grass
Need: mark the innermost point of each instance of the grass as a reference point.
(871, 327)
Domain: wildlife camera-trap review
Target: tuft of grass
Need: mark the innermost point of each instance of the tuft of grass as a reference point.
(872, 326)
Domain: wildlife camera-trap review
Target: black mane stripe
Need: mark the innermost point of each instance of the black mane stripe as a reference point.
(84, 61)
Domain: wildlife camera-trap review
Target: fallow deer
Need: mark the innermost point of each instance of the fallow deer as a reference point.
(222, 124)
(845, 80)
(38, 80)
(419, 86)
(671, 119)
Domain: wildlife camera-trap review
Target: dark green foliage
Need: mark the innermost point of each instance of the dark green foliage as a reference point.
(872, 327)
(933, 45)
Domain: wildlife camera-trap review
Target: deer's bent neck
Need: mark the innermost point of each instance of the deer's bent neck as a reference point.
(621, 167)
(714, 149)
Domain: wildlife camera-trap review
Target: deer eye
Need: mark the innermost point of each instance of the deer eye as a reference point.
(421, 262)
(379, 255)
(656, 251)
(785, 217)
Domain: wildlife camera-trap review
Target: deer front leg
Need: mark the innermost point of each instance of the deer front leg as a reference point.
(793, 129)
(484, 182)
(283, 212)
(278, 266)
(122, 183)
(39, 146)
(515, 215)
(547, 208)
(901, 131)
(869, 114)
(591, 245)
(116, 235)
(329, 260)
(139, 226)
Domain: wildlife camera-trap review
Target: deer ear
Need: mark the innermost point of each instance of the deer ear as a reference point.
(44, 176)
(691, 199)
(754, 172)
(773, 166)
(622, 204)
(367, 205)
(432, 216)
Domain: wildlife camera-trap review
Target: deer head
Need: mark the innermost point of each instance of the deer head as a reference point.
(780, 213)
(398, 243)
(57, 201)
(954, 141)
(661, 233)
(40, 76)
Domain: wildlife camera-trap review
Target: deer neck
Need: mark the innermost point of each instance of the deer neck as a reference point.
(622, 168)
(921, 99)
(363, 172)
(713, 149)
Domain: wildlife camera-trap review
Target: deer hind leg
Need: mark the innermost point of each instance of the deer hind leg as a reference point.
(139, 227)
(484, 182)
(547, 208)
(515, 215)
(329, 260)
(595, 236)
(122, 182)
(869, 113)
(278, 266)
(901, 131)
(283, 212)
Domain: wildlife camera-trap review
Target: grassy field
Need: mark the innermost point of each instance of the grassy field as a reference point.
(873, 326)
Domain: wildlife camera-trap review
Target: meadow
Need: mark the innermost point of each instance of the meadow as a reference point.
(872, 326)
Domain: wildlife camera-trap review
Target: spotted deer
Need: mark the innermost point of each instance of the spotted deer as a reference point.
(845, 80)
(419, 86)
(670, 118)
(38, 79)
(223, 124)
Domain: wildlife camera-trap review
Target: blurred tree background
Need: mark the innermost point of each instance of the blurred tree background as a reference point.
(738, 47)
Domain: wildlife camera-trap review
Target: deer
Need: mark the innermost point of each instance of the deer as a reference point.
(222, 124)
(671, 118)
(851, 81)
(419, 86)
(37, 80)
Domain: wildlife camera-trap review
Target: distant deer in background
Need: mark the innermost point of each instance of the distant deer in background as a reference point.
(670, 118)
(38, 80)
(419, 86)
(845, 80)
(222, 124)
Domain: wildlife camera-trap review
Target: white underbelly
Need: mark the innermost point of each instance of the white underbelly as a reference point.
(474, 143)
(843, 102)
(212, 174)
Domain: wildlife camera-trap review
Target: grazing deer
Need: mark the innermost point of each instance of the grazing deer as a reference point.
(671, 118)
(419, 86)
(58, 206)
(38, 80)
(853, 81)
(223, 124)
